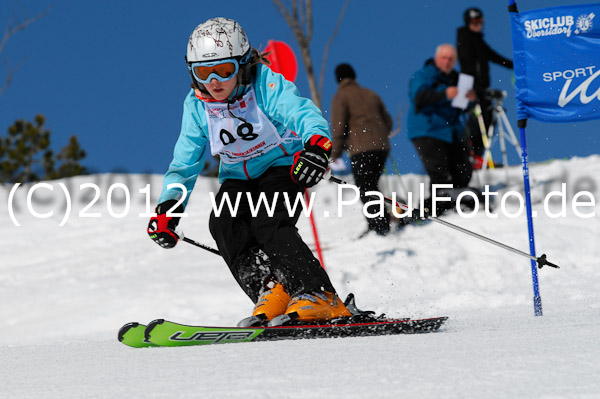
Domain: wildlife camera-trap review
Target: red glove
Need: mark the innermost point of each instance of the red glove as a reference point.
(161, 227)
(311, 163)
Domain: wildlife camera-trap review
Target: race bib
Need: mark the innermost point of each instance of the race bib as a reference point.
(246, 135)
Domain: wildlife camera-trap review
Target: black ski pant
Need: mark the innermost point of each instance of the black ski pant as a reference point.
(445, 163)
(240, 235)
(367, 168)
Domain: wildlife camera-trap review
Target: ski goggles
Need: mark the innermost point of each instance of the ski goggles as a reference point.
(222, 70)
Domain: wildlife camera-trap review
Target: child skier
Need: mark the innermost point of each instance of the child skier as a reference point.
(248, 114)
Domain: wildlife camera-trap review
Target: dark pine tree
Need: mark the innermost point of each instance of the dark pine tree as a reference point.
(26, 156)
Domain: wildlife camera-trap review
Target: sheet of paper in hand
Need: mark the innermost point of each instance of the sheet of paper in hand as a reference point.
(465, 83)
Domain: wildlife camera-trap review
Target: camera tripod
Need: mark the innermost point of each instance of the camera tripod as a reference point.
(500, 125)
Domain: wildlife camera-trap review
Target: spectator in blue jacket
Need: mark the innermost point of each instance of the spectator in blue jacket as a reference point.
(434, 126)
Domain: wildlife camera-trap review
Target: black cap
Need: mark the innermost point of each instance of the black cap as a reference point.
(344, 71)
(471, 14)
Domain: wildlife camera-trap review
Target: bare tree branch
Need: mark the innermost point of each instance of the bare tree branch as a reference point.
(295, 14)
(291, 21)
(309, 21)
(304, 50)
(11, 30)
(7, 81)
(8, 33)
(328, 45)
(301, 18)
(402, 110)
(9, 76)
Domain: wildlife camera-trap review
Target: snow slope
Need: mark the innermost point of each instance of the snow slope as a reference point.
(65, 291)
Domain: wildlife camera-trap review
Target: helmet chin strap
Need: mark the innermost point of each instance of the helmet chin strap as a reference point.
(201, 88)
(238, 92)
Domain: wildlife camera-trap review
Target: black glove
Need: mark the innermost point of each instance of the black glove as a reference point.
(310, 163)
(161, 228)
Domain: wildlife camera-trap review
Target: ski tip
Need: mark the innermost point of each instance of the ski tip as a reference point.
(151, 326)
(123, 330)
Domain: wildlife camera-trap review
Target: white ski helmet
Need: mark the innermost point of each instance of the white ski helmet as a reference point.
(218, 38)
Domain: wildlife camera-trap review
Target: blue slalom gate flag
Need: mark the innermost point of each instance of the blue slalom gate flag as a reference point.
(557, 63)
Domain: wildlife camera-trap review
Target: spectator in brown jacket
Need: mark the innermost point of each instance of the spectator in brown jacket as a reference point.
(361, 125)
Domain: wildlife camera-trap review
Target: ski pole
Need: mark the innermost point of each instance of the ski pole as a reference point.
(206, 247)
(397, 171)
(197, 244)
(541, 261)
(487, 158)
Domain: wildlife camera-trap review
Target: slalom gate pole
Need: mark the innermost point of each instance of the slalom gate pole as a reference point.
(537, 299)
(315, 232)
(522, 125)
(540, 261)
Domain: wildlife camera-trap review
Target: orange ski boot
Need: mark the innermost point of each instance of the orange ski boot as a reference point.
(273, 302)
(313, 308)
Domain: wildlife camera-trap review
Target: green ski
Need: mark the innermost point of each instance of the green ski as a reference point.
(132, 334)
(165, 333)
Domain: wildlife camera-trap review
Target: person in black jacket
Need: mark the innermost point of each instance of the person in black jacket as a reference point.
(474, 56)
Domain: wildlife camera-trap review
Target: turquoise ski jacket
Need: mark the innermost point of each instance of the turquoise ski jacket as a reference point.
(280, 101)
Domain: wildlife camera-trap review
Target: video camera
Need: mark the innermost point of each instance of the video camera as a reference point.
(494, 94)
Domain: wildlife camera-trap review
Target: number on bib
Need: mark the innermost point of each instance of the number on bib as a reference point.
(250, 135)
(226, 137)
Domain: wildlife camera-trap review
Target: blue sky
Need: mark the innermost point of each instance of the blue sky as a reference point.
(113, 72)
